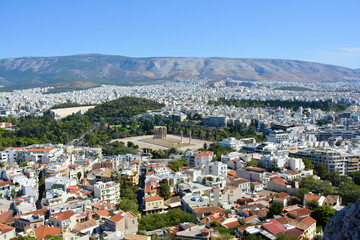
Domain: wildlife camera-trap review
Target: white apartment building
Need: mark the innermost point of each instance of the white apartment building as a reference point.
(216, 169)
(109, 191)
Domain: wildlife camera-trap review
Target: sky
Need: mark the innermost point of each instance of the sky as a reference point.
(319, 31)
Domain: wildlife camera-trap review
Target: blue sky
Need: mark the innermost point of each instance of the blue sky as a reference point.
(320, 31)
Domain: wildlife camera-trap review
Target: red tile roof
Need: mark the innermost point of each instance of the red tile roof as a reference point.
(42, 231)
(275, 227)
(307, 220)
(40, 149)
(232, 224)
(311, 197)
(84, 225)
(255, 169)
(292, 172)
(213, 209)
(14, 148)
(3, 183)
(6, 217)
(153, 198)
(63, 215)
(231, 173)
(117, 217)
(103, 213)
(5, 228)
(204, 154)
(279, 181)
(300, 212)
(294, 232)
(36, 212)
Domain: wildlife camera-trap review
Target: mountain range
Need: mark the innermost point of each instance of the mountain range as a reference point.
(28, 72)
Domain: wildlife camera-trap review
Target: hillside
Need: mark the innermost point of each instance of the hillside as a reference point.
(109, 69)
(122, 108)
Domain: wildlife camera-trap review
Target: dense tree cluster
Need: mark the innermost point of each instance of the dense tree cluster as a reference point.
(245, 103)
(122, 109)
(175, 165)
(66, 105)
(171, 218)
(43, 129)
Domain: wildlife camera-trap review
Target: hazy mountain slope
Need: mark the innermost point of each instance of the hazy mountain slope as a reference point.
(33, 71)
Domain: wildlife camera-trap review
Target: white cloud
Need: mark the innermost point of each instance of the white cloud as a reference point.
(350, 49)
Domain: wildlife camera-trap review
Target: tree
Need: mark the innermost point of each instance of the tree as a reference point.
(251, 164)
(13, 193)
(312, 205)
(282, 236)
(23, 164)
(321, 170)
(308, 164)
(356, 177)
(251, 237)
(165, 191)
(79, 175)
(24, 238)
(128, 205)
(323, 214)
(276, 209)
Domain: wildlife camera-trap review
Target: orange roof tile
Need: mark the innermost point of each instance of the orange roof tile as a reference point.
(103, 213)
(231, 173)
(213, 209)
(40, 149)
(63, 215)
(87, 224)
(42, 231)
(6, 217)
(14, 148)
(5, 228)
(153, 198)
(204, 154)
(232, 224)
(311, 197)
(117, 217)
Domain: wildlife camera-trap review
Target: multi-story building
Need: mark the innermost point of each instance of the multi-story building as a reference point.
(231, 143)
(335, 160)
(154, 204)
(109, 191)
(43, 155)
(123, 223)
(277, 136)
(63, 220)
(199, 159)
(57, 171)
(216, 169)
(130, 177)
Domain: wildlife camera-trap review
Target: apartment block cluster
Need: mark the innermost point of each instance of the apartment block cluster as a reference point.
(193, 100)
(65, 191)
(233, 194)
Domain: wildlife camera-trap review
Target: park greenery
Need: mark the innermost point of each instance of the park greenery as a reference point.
(294, 88)
(128, 201)
(160, 220)
(43, 129)
(164, 191)
(175, 165)
(246, 103)
(67, 105)
(323, 214)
